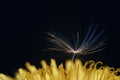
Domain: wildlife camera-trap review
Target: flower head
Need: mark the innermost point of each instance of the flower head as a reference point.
(72, 71)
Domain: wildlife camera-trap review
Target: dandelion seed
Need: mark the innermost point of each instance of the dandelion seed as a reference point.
(91, 43)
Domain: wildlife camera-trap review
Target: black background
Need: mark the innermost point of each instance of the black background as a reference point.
(24, 24)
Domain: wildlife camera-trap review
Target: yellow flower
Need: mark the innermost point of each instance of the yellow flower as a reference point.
(72, 71)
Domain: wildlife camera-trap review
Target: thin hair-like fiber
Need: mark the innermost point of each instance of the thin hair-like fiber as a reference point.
(91, 43)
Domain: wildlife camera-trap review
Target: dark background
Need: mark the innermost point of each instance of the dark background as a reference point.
(24, 24)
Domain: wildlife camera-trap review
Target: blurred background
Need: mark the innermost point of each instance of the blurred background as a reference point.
(23, 27)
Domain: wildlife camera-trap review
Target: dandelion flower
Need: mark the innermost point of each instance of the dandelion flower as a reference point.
(72, 71)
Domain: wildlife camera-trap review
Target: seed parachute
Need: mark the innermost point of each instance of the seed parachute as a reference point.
(91, 43)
